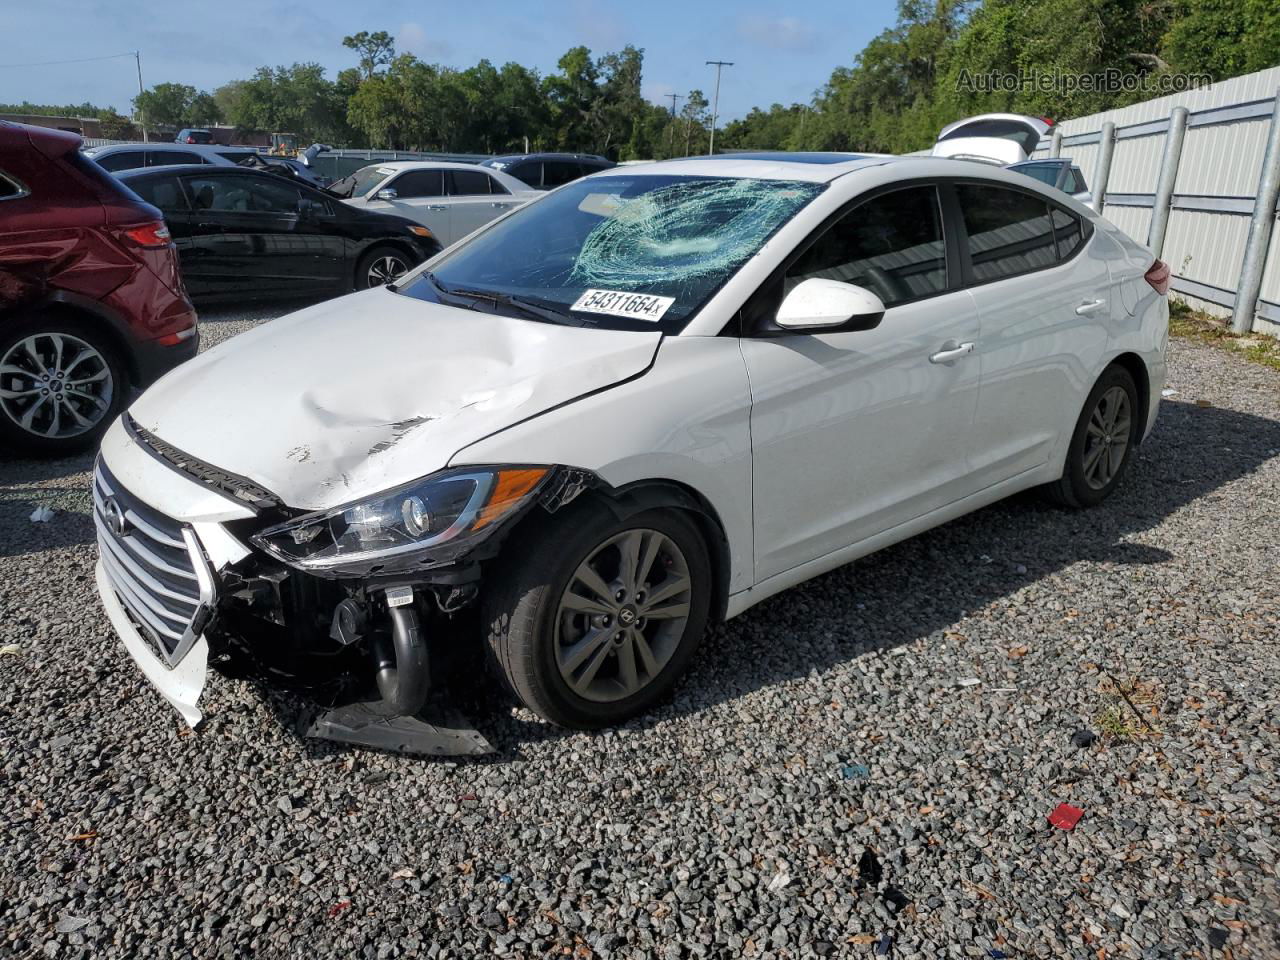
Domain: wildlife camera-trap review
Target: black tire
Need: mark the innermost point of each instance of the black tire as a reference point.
(521, 606)
(384, 252)
(1074, 489)
(32, 439)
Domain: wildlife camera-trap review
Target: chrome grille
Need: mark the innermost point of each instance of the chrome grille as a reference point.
(155, 566)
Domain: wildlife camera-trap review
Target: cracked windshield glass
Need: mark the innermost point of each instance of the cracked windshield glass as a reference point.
(635, 253)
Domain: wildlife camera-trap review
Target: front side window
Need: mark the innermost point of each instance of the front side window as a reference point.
(621, 252)
(121, 160)
(467, 183)
(891, 244)
(417, 183)
(1009, 231)
(238, 194)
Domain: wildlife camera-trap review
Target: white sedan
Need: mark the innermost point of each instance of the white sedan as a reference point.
(450, 199)
(641, 405)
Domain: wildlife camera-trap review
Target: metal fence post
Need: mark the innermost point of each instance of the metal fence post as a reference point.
(1264, 216)
(1102, 169)
(1055, 144)
(1168, 178)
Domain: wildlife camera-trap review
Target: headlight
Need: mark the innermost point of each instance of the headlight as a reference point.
(422, 524)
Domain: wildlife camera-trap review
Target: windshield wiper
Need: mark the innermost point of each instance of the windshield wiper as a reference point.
(530, 309)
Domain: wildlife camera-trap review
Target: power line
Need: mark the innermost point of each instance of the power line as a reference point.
(55, 63)
(674, 97)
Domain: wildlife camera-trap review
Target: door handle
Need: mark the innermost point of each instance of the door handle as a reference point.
(436, 206)
(499, 205)
(210, 226)
(951, 351)
(1090, 306)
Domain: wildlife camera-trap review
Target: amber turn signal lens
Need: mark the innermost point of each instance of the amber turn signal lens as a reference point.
(510, 489)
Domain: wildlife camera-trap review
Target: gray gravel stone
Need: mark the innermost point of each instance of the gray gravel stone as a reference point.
(123, 836)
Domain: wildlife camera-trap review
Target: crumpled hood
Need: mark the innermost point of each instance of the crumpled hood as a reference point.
(368, 391)
(982, 149)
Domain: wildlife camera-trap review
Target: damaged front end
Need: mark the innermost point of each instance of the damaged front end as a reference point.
(350, 606)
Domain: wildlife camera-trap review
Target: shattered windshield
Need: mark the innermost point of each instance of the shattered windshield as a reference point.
(624, 252)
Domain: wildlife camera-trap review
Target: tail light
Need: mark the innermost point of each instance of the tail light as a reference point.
(191, 139)
(1158, 277)
(149, 234)
(1048, 120)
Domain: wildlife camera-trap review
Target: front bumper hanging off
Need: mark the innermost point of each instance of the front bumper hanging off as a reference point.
(360, 653)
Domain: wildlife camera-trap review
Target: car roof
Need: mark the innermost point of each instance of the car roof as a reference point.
(550, 156)
(162, 146)
(202, 168)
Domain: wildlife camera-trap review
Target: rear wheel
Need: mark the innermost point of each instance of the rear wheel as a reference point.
(595, 618)
(62, 382)
(380, 266)
(1102, 443)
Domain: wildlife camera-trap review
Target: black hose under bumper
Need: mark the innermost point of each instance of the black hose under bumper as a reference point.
(403, 675)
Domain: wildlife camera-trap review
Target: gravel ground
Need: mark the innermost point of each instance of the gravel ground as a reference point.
(827, 781)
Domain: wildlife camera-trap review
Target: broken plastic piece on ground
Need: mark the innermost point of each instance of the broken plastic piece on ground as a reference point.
(855, 771)
(968, 682)
(884, 945)
(338, 907)
(505, 879)
(10, 650)
(995, 954)
(434, 733)
(41, 515)
(1168, 392)
(1065, 816)
(779, 881)
(1084, 737)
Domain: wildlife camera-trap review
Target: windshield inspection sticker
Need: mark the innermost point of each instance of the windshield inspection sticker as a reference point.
(616, 303)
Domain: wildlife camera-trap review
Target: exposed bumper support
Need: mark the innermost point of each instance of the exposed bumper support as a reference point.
(403, 676)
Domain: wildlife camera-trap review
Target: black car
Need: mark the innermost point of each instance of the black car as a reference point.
(193, 135)
(544, 171)
(247, 234)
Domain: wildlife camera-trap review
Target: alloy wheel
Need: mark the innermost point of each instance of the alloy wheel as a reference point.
(1107, 439)
(386, 269)
(55, 385)
(622, 616)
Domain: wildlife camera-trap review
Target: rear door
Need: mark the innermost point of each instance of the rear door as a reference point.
(420, 196)
(1044, 304)
(474, 199)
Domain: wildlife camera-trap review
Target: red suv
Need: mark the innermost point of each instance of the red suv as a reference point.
(91, 301)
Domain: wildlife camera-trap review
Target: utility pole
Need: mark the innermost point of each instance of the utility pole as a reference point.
(715, 102)
(137, 59)
(674, 97)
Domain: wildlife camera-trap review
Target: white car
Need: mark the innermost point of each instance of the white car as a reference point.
(999, 138)
(450, 199)
(130, 156)
(643, 404)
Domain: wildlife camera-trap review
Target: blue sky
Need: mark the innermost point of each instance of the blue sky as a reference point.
(782, 52)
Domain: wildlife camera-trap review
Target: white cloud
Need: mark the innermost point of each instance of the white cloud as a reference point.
(413, 38)
(778, 33)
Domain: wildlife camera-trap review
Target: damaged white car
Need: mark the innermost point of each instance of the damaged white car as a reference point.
(640, 405)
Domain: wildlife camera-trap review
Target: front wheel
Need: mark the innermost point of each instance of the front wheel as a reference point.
(595, 618)
(380, 266)
(62, 382)
(1102, 444)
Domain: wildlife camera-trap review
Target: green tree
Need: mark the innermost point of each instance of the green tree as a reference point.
(375, 49)
(165, 104)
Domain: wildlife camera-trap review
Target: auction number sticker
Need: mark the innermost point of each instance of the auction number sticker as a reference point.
(617, 303)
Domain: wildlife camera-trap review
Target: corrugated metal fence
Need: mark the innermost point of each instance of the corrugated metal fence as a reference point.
(1205, 171)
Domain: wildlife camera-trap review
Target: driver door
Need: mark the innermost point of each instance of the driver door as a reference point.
(856, 432)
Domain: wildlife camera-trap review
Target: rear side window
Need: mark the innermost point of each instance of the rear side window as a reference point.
(417, 183)
(163, 192)
(121, 160)
(529, 172)
(1009, 232)
(891, 244)
(557, 172)
(1068, 233)
(1075, 181)
(1046, 173)
(169, 158)
(468, 183)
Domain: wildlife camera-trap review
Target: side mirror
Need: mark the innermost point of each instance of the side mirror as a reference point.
(387, 194)
(817, 305)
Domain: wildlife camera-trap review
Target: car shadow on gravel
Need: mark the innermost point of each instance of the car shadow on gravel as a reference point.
(30, 484)
(915, 589)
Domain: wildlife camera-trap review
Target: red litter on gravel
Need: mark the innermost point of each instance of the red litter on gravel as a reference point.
(1065, 816)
